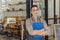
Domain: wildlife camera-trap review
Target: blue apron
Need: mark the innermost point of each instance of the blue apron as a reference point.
(37, 26)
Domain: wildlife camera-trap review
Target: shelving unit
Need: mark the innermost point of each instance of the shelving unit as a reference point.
(15, 26)
(17, 10)
(21, 3)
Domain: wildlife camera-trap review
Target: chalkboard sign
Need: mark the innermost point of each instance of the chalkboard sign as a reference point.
(57, 31)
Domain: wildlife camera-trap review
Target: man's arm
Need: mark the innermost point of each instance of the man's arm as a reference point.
(29, 28)
(42, 32)
(45, 26)
(31, 31)
(39, 32)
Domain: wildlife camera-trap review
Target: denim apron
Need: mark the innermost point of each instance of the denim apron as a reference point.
(37, 26)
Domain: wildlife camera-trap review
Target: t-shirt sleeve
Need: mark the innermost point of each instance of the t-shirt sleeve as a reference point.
(45, 26)
(29, 26)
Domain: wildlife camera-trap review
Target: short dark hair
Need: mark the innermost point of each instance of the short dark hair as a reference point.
(34, 6)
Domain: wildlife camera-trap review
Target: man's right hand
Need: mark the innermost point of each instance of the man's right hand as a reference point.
(38, 32)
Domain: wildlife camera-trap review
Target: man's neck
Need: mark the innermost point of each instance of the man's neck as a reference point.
(35, 18)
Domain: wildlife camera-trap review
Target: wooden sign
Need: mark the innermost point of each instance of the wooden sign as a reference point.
(57, 31)
(11, 20)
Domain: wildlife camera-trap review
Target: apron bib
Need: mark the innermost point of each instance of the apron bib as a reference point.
(37, 26)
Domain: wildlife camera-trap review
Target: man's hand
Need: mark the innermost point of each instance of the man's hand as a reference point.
(39, 32)
(42, 32)
(35, 32)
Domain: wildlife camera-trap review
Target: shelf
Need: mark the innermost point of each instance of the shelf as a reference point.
(15, 10)
(21, 3)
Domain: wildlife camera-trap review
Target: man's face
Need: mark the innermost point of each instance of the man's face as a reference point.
(35, 11)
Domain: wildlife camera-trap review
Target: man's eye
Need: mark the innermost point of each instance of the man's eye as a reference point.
(33, 10)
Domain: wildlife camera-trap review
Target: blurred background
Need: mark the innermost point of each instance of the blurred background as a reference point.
(13, 14)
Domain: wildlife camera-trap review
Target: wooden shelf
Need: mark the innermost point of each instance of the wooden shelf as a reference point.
(15, 28)
(21, 3)
(15, 10)
(53, 18)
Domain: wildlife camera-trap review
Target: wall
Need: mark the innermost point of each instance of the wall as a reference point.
(50, 11)
(57, 9)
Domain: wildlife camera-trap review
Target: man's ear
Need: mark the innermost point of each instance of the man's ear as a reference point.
(31, 12)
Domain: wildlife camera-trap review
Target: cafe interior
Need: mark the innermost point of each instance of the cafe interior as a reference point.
(13, 15)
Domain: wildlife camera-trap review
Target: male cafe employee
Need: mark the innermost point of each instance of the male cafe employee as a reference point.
(36, 26)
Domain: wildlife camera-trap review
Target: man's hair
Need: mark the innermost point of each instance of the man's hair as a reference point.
(34, 6)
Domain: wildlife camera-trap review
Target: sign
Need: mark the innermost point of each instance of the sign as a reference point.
(11, 20)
